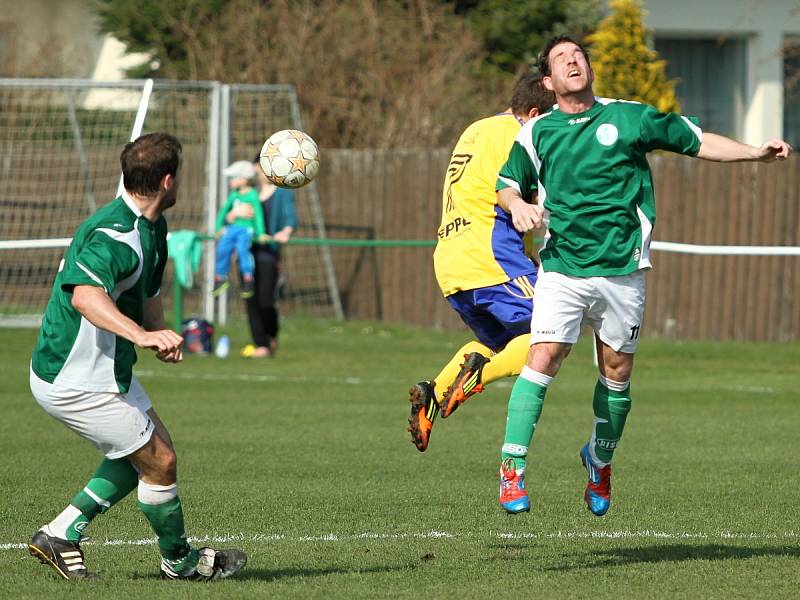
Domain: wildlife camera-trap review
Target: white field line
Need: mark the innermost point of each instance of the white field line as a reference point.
(558, 535)
(144, 374)
(249, 377)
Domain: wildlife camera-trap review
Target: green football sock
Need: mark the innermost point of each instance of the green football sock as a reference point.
(612, 402)
(189, 561)
(162, 508)
(524, 410)
(113, 480)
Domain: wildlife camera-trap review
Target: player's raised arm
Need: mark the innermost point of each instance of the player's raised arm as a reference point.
(719, 148)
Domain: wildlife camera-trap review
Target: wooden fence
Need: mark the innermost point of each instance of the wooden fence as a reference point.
(397, 195)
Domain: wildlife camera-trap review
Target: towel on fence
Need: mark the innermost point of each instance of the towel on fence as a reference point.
(186, 250)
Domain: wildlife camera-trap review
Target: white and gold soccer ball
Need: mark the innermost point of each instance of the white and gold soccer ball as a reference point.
(290, 158)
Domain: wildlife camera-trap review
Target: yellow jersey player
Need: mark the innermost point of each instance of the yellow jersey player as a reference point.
(481, 264)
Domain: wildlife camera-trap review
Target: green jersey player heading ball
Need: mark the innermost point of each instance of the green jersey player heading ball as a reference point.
(106, 301)
(586, 161)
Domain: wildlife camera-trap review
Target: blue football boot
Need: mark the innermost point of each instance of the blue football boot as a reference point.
(598, 491)
(513, 497)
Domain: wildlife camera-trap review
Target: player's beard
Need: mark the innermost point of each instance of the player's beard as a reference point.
(169, 198)
(576, 88)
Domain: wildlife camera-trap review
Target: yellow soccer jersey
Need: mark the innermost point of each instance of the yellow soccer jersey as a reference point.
(477, 244)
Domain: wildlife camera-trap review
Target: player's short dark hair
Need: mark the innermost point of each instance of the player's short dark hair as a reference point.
(529, 92)
(544, 55)
(147, 159)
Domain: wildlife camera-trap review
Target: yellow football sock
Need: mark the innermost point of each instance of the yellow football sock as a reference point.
(509, 361)
(451, 369)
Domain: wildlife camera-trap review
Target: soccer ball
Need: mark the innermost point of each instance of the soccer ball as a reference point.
(290, 158)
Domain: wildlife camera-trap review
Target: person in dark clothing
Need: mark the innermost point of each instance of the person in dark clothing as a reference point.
(280, 218)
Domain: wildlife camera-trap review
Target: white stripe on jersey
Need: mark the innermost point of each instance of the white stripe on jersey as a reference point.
(91, 360)
(647, 234)
(695, 129)
(132, 239)
(525, 139)
(510, 183)
(607, 101)
(94, 277)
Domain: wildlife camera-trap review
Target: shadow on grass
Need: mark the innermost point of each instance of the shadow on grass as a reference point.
(279, 574)
(613, 557)
(248, 574)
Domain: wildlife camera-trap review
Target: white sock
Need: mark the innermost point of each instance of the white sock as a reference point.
(535, 376)
(151, 493)
(58, 526)
(617, 386)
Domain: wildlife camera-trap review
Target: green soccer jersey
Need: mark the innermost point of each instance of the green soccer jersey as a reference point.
(125, 254)
(256, 224)
(591, 174)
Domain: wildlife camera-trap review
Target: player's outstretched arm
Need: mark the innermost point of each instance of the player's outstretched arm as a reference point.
(719, 148)
(524, 216)
(99, 309)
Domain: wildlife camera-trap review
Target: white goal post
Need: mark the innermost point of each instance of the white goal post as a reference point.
(138, 123)
(61, 139)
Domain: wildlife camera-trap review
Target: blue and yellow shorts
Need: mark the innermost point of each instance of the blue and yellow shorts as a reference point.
(498, 313)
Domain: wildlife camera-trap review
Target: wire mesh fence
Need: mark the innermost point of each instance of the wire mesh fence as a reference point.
(59, 148)
(60, 142)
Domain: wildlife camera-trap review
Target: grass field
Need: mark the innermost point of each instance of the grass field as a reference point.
(304, 462)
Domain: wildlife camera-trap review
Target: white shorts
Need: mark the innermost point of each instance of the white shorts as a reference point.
(612, 306)
(116, 423)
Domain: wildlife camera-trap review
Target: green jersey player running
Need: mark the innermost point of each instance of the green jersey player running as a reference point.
(587, 161)
(105, 301)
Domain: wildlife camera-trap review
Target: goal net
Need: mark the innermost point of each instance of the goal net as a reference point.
(56, 161)
(59, 161)
(255, 112)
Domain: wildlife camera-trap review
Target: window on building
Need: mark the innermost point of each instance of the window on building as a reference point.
(791, 91)
(711, 76)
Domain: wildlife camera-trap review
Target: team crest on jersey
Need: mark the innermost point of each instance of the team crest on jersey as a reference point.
(607, 134)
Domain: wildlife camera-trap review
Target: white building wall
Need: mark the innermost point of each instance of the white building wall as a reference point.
(763, 24)
(51, 36)
(61, 38)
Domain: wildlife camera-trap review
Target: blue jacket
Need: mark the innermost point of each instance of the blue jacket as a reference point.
(282, 213)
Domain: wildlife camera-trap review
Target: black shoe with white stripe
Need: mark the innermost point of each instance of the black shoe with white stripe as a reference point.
(64, 556)
(211, 566)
